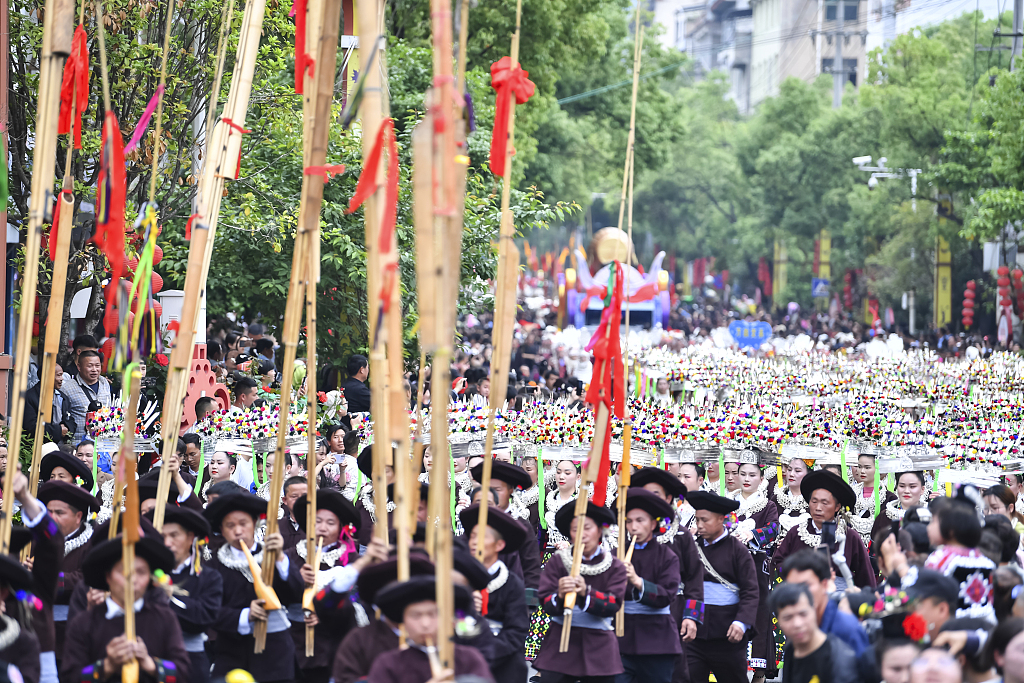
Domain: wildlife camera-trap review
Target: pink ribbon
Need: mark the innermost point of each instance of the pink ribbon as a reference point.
(140, 127)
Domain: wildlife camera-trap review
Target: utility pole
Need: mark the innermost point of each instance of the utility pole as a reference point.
(1018, 40)
(838, 72)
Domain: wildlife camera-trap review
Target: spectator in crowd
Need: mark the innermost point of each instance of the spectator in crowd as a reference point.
(812, 569)
(60, 428)
(88, 391)
(245, 394)
(356, 391)
(83, 342)
(809, 653)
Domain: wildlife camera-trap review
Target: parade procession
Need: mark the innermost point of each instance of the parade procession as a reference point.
(401, 418)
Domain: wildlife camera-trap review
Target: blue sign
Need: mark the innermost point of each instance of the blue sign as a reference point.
(750, 333)
(819, 288)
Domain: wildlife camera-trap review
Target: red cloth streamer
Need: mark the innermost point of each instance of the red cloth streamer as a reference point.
(75, 83)
(243, 131)
(507, 80)
(303, 60)
(327, 172)
(188, 226)
(367, 184)
(608, 385)
(484, 594)
(110, 199)
(52, 239)
(389, 282)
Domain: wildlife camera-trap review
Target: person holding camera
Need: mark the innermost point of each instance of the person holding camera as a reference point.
(87, 392)
(829, 499)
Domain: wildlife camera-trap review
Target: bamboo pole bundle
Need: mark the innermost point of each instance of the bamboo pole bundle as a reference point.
(221, 163)
(624, 467)
(130, 527)
(310, 205)
(58, 287)
(314, 30)
(504, 297)
(371, 117)
(56, 46)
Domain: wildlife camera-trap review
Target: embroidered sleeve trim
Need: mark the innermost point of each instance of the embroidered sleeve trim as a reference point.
(651, 590)
(694, 609)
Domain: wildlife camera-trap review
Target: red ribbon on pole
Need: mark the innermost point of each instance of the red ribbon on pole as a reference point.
(74, 84)
(367, 184)
(111, 192)
(507, 80)
(302, 58)
(54, 226)
(608, 385)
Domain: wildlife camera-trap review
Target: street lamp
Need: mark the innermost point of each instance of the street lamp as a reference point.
(881, 171)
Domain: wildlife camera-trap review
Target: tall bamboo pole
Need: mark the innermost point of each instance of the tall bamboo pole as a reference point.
(637, 48)
(56, 46)
(310, 206)
(504, 298)
(371, 117)
(221, 160)
(449, 179)
(55, 308)
(130, 527)
(314, 30)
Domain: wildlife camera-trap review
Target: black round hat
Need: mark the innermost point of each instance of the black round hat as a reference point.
(190, 520)
(14, 574)
(655, 475)
(327, 499)
(831, 482)
(74, 466)
(465, 563)
(242, 501)
(376, 576)
(513, 475)
(712, 502)
(148, 484)
(75, 496)
(598, 513)
(396, 596)
(364, 461)
(20, 537)
(505, 524)
(649, 502)
(108, 553)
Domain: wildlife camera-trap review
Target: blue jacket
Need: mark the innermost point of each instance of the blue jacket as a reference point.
(845, 627)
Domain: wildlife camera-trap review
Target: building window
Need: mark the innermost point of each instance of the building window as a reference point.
(849, 11)
(850, 64)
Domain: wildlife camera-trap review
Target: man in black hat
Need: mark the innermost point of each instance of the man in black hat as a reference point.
(179, 494)
(503, 602)
(236, 515)
(412, 604)
(27, 650)
(730, 594)
(363, 645)
(197, 598)
(65, 467)
(68, 505)
(827, 495)
(96, 647)
(600, 589)
(506, 479)
(688, 605)
(649, 645)
(336, 527)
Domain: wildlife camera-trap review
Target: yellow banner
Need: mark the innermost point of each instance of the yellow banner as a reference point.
(779, 276)
(943, 283)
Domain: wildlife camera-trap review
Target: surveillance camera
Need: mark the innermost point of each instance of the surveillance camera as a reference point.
(872, 182)
(860, 161)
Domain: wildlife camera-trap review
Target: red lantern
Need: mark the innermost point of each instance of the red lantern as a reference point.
(968, 303)
(107, 349)
(110, 321)
(158, 283)
(158, 254)
(1002, 271)
(1003, 281)
(970, 285)
(1017, 273)
(1005, 302)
